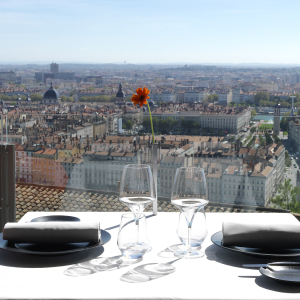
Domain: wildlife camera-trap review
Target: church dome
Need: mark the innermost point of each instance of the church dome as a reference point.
(51, 93)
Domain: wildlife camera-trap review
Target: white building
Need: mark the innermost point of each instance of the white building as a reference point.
(166, 173)
(224, 97)
(195, 96)
(165, 96)
(230, 122)
(294, 78)
(236, 95)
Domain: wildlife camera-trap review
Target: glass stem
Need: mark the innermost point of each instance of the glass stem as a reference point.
(189, 238)
(137, 223)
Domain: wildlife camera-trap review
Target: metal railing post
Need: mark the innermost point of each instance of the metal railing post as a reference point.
(7, 185)
(154, 158)
(1, 129)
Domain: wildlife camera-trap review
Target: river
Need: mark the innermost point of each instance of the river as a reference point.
(265, 117)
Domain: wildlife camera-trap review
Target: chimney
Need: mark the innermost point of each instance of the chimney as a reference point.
(261, 167)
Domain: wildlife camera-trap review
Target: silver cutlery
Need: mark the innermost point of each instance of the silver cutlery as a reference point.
(289, 263)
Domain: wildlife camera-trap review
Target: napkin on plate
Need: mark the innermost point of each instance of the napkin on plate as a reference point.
(52, 232)
(261, 235)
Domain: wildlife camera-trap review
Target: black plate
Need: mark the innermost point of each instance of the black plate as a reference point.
(217, 239)
(287, 272)
(53, 249)
(59, 249)
(56, 218)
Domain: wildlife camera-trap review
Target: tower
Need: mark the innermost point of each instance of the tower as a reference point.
(54, 68)
(120, 96)
(276, 128)
(292, 112)
(291, 118)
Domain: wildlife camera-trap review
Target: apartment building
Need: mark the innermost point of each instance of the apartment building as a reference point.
(241, 185)
(43, 166)
(15, 138)
(224, 97)
(228, 121)
(165, 96)
(294, 133)
(165, 177)
(195, 96)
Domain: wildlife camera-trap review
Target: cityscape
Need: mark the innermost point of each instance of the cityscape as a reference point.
(77, 129)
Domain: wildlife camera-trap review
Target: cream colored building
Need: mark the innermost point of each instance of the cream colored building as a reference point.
(232, 122)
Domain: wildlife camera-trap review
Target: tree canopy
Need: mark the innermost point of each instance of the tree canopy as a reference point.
(261, 96)
(287, 198)
(253, 113)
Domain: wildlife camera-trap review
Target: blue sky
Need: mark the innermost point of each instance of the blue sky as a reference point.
(150, 31)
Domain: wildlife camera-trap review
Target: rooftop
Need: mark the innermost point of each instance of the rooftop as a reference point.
(41, 198)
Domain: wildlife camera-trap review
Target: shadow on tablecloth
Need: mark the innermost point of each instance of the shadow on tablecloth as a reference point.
(20, 260)
(148, 272)
(100, 264)
(275, 286)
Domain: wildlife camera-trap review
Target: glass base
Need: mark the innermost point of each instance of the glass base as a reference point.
(189, 254)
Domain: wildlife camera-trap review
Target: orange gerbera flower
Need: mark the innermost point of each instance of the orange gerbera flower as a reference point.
(141, 97)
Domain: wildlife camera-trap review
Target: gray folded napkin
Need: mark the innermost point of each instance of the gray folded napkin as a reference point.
(261, 235)
(52, 232)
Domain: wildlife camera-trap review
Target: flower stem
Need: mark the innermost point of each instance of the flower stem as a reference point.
(151, 122)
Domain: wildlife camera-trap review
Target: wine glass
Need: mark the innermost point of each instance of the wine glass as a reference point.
(198, 231)
(189, 194)
(137, 190)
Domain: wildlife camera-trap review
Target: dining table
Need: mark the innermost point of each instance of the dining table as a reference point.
(102, 273)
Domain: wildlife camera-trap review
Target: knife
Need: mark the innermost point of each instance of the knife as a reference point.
(274, 264)
(255, 266)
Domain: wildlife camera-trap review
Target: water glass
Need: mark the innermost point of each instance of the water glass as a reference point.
(198, 230)
(189, 194)
(133, 240)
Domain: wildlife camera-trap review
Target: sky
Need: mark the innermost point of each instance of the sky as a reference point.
(150, 31)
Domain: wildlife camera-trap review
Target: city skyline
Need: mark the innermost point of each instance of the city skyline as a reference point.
(194, 32)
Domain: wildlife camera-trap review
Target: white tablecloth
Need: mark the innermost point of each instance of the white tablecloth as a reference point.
(218, 275)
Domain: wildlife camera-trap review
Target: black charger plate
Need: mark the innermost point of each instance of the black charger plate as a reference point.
(217, 239)
(286, 272)
(56, 218)
(53, 249)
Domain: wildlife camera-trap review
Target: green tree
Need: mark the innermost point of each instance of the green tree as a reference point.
(63, 98)
(253, 129)
(269, 140)
(261, 141)
(253, 113)
(261, 96)
(276, 139)
(69, 99)
(287, 198)
(35, 97)
(212, 98)
(127, 125)
(288, 161)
